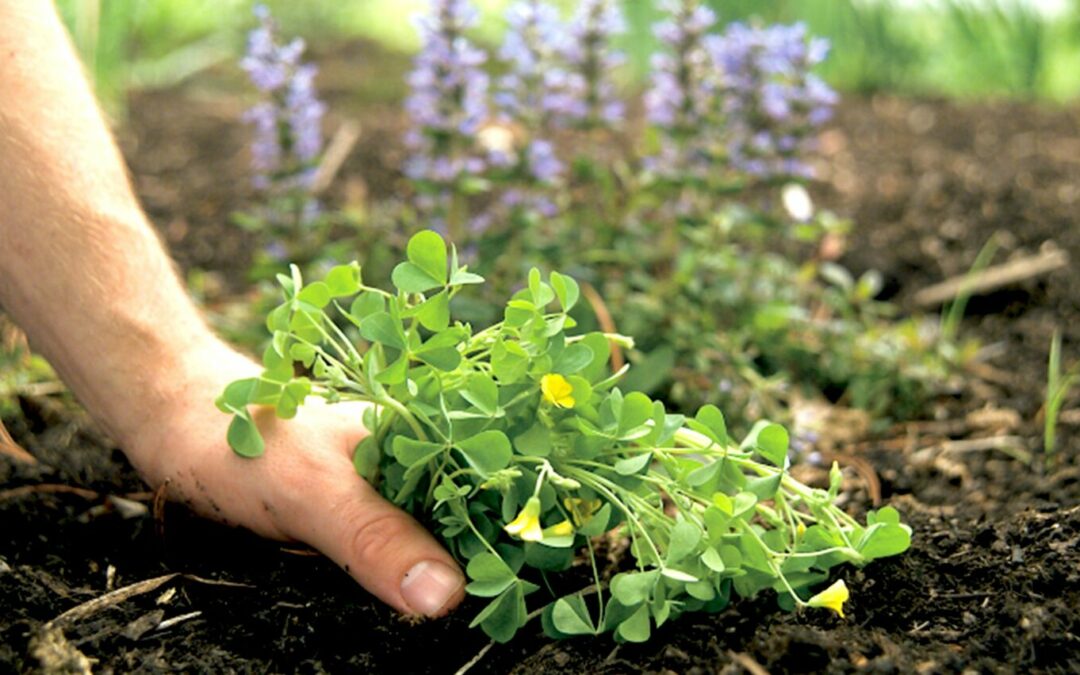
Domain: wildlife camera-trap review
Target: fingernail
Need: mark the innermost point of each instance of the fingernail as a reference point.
(429, 586)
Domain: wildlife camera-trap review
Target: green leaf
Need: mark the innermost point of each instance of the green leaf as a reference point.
(434, 313)
(316, 294)
(744, 501)
(684, 538)
(509, 361)
(446, 359)
(637, 409)
(366, 458)
(541, 292)
(382, 328)
(571, 616)
(244, 437)
(598, 524)
(236, 395)
(711, 558)
(410, 278)
(292, 396)
(503, 615)
(303, 353)
(427, 251)
(410, 451)
(487, 452)
(601, 349)
(535, 442)
(343, 280)
(490, 574)
(636, 628)
(366, 304)
(764, 487)
(483, 393)
(572, 359)
(770, 441)
(566, 290)
(632, 588)
(885, 539)
(703, 474)
(633, 465)
(461, 277)
(395, 373)
(713, 420)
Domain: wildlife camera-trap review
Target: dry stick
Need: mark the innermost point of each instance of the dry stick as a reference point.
(169, 623)
(336, 152)
(992, 277)
(9, 447)
(607, 324)
(1012, 446)
(91, 607)
(60, 488)
(747, 662)
(47, 488)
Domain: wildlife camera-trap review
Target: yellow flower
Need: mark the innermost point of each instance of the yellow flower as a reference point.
(832, 598)
(557, 390)
(581, 510)
(527, 524)
(800, 529)
(563, 529)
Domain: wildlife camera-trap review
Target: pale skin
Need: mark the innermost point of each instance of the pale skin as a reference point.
(83, 273)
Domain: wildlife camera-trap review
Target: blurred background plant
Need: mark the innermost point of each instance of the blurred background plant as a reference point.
(965, 48)
(683, 213)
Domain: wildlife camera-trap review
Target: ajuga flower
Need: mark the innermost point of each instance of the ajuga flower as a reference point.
(447, 104)
(287, 122)
(774, 103)
(591, 97)
(680, 101)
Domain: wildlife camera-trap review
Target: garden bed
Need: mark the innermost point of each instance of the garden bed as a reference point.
(991, 583)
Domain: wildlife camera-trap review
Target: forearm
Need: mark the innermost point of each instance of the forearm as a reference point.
(80, 268)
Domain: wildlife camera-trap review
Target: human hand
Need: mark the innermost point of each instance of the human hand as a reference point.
(304, 488)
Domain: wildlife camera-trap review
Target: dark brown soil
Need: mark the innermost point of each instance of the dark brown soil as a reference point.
(991, 584)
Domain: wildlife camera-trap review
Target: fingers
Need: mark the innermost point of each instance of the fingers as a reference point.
(381, 546)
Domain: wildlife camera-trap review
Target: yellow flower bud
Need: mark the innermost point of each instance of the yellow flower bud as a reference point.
(563, 529)
(527, 524)
(581, 510)
(832, 598)
(557, 390)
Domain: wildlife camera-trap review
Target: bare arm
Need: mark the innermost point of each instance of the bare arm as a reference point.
(84, 274)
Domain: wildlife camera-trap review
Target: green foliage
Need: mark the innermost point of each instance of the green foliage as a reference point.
(517, 443)
(1058, 387)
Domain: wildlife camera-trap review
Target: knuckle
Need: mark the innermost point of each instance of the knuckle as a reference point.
(375, 535)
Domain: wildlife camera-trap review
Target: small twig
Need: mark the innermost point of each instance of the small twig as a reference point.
(992, 278)
(9, 447)
(867, 472)
(1013, 446)
(747, 662)
(336, 152)
(111, 598)
(216, 582)
(47, 488)
(305, 552)
(169, 623)
(476, 659)
(607, 324)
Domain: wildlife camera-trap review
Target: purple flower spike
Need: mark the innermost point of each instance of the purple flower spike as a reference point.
(681, 101)
(774, 103)
(288, 121)
(447, 104)
(591, 99)
(535, 87)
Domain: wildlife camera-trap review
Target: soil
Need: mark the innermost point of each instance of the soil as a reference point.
(991, 583)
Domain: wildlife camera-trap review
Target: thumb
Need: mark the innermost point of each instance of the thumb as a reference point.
(378, 544)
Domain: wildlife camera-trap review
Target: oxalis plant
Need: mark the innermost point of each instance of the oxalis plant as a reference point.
(517, 444)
